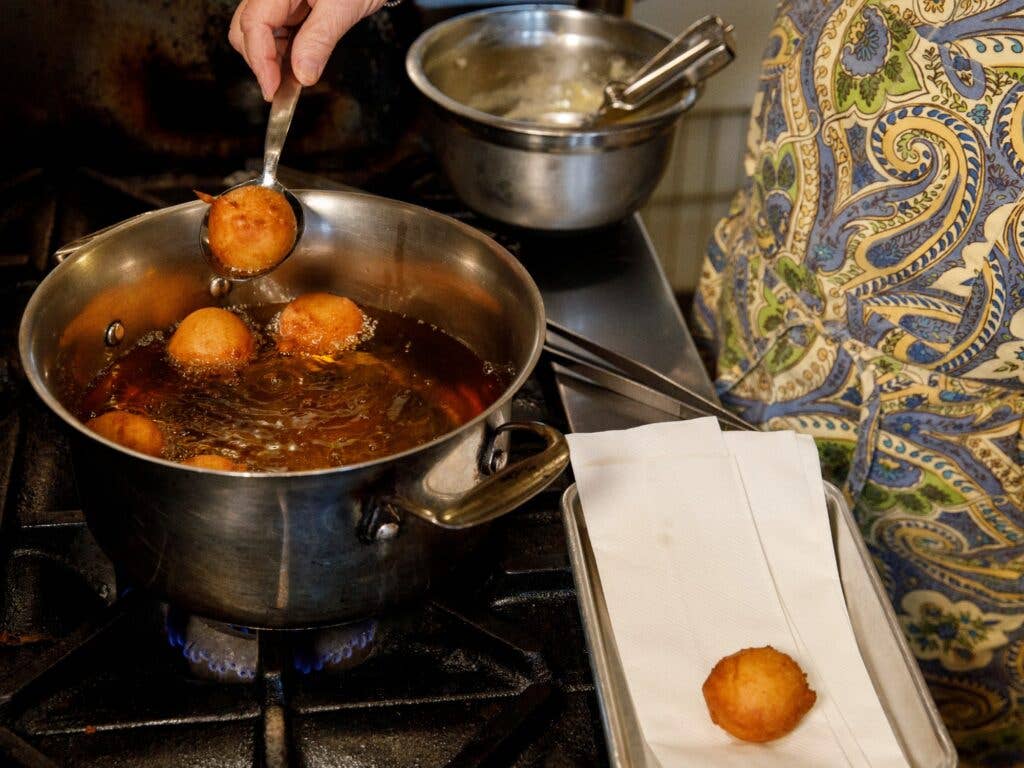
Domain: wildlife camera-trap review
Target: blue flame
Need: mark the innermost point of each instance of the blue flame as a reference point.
(334, 647)
(221, 660)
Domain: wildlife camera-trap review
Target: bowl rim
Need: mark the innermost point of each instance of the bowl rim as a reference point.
(28, 324)
(414, 68)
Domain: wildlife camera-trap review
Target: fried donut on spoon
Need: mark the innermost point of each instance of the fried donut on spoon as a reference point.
(250, 230)
(247, 231)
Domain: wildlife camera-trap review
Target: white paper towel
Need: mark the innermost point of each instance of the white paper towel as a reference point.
(695, 535)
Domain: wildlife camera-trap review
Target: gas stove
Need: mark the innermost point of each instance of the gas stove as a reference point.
(490, 670)
(94, 672)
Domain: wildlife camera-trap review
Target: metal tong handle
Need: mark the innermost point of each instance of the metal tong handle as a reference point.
(635, 380)
(699, 52)
(282, 109)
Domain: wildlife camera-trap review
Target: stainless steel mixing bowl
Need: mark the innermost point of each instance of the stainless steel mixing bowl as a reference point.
(478, 69)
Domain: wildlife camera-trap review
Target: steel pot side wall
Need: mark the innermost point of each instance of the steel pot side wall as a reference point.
(549, 190)
(262, 552)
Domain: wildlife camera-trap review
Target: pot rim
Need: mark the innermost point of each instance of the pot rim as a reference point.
(32, 309)
(530, 132)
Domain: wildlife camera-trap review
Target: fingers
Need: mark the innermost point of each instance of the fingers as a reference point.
(301, 11)
(235, 31)
(256, 22)
(258, 19)
(316, 38)
(237, 39)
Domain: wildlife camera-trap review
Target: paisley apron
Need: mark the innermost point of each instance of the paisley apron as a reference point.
(867, 288)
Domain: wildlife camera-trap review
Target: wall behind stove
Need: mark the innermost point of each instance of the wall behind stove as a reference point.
(707, 159)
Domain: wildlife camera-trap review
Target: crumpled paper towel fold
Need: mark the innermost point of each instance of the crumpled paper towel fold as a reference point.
(708, 542)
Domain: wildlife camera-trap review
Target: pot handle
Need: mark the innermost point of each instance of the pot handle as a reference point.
(507, 488)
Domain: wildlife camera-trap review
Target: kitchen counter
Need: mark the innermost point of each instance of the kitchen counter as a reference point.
(609, 286)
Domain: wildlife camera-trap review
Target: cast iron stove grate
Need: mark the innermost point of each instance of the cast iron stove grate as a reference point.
(493, 675)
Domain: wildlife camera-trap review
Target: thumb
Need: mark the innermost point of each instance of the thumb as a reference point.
(320, 32)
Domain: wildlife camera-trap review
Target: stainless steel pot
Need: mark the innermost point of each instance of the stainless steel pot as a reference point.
(540, 176)
(299, 548)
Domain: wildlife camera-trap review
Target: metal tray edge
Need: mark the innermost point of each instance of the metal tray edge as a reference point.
(837, 506)
(626, 745)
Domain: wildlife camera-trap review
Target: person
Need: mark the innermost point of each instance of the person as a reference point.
(867, 288)
(260, 30)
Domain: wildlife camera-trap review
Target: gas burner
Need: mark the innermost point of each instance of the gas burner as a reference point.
(334, 649)
(228, 653)
(221, 652)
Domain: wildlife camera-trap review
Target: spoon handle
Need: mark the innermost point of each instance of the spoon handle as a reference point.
(281, 110)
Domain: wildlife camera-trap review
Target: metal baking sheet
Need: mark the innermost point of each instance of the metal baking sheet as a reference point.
(890, 664)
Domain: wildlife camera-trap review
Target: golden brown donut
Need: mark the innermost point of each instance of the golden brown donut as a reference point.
(211, 340)
(130, 430)
(251, 229)
(319, 324)
(757, 694)
(215, 461)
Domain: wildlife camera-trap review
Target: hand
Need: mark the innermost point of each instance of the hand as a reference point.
(258, 32)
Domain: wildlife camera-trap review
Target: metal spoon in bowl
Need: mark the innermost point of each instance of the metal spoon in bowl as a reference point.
(699, 52)
(282, 108)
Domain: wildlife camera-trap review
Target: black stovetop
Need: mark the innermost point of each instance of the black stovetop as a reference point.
(493, 674)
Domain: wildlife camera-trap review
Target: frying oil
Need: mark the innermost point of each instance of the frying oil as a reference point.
(405, 385)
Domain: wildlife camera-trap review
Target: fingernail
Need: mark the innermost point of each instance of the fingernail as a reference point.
(307, 71)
